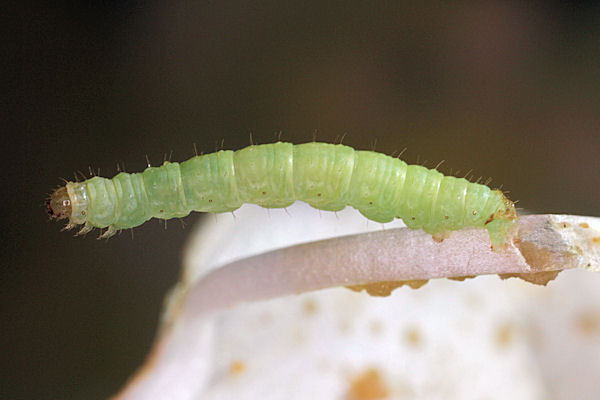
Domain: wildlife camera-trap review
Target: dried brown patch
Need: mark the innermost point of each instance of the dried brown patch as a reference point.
(461, 278)
(367, 386)
(537, 278)
(541, 258)
(385, 288)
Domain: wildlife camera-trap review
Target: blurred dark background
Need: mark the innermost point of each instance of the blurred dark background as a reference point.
(509, 89)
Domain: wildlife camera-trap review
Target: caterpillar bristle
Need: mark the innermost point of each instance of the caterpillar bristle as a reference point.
(373, 144)
(221, 146)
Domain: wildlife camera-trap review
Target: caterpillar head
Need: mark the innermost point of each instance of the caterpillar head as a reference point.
(58, 204)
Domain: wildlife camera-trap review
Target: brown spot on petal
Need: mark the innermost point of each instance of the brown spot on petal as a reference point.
(588, 322)
(376, 327)
(310, 307)
(237, 367)
(504, 335)
(367, 386)
(413, 337)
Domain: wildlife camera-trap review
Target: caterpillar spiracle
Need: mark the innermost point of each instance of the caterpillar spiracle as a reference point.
(326, 176)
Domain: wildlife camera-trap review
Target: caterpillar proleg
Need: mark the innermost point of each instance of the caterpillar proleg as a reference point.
(326, 176)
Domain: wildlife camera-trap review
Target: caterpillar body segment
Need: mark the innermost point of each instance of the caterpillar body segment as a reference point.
(326, 176)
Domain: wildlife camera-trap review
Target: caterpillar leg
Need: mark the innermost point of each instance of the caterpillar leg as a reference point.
(109, 233)
(68, 227)
(440, 236)
(499, 231)
(87, 228)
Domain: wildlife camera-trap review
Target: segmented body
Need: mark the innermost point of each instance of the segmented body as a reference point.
(326, 176)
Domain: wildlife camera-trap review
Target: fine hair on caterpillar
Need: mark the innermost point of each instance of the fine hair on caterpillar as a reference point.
(327, 176)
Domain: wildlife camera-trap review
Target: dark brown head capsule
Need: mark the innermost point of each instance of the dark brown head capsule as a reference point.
(58, 205)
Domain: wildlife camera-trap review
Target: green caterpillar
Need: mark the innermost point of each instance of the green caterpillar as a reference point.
(326, 176)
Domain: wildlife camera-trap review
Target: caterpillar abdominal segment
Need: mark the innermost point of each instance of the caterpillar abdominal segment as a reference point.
(326, 176)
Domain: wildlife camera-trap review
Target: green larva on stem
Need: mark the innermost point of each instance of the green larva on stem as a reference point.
(326, 176)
